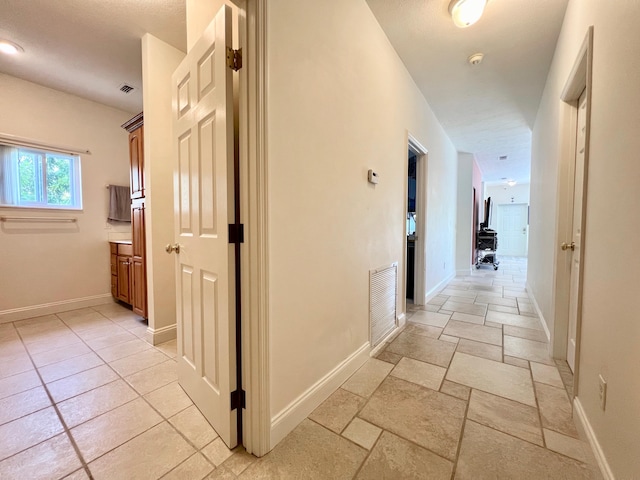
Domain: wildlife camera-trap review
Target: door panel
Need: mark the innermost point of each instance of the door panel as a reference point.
(139, 276)
(137, 162)
(512, 229)
(577, 231)
(203, 139)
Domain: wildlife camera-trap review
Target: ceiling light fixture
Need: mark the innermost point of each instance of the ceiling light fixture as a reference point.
(10, 48)
(466, 12)
(511, 183)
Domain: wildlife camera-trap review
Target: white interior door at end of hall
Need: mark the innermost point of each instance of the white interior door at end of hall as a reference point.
(512, 229)
(203, 189)
(576, 233)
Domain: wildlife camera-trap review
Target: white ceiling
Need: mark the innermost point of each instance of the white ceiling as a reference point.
(91, 47)
(488, 109)
(88, 47)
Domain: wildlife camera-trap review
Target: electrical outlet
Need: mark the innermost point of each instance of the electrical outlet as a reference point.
(602, 391)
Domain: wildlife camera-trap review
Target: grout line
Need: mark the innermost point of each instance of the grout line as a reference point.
(461, 436)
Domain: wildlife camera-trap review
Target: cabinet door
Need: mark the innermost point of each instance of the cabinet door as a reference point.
(139, 277)
(124, 279)
(136, 157)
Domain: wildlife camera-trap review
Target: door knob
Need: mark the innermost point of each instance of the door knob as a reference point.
(571, 247)
(173, 248)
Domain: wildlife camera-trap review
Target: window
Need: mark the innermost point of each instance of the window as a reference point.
(30, 177)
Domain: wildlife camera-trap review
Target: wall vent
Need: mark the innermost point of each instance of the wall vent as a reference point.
(126, 88)
(383, 291)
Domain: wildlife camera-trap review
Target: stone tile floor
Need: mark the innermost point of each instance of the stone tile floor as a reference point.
(465, 390)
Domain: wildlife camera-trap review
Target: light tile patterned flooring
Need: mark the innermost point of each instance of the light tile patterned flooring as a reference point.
(465, 391)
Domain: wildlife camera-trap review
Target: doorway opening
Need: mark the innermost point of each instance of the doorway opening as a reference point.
(411, 225)
(415, 223)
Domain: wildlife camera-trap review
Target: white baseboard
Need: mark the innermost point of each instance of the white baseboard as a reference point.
(580, 414)
(390, 337)
(160, 335)
(435, 290)
(402, 319)
(294, 413)
(21, 313)
(540, 316)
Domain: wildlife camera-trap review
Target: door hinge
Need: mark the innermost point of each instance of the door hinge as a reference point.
(237, 399)
(236, 233)
(234, 59)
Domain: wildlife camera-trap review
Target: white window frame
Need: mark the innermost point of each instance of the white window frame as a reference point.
(41, 201)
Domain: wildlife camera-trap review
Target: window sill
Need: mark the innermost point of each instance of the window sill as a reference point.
(42, 209)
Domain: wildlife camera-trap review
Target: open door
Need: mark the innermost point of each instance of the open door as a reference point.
(203, 194)
(574, 249)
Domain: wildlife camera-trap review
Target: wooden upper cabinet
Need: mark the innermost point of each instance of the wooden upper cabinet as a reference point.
(136, 154)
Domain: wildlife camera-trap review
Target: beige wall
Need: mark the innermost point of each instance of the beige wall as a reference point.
(341, 102)
(464, 224)
(42, 264)
(159, 60)
(610, 326)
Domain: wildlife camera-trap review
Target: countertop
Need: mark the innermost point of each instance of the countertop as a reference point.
(124, 242)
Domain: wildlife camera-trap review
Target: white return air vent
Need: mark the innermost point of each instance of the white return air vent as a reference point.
(383, 290)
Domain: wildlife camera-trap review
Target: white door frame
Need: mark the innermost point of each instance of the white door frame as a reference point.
(579, 79)
(419, 293)
(254, 215)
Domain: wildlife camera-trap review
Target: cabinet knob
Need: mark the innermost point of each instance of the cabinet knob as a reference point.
(173, 248)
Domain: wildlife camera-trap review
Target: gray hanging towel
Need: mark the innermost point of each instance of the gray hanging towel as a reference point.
(119, 204)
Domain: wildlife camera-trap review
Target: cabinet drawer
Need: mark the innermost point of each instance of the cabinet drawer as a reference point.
(125, 250)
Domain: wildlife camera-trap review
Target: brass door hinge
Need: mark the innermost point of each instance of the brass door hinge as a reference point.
(234, 59)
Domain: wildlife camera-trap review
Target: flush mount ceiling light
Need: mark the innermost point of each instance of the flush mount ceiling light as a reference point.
(466, 12)
(10, 48)
(511, 183)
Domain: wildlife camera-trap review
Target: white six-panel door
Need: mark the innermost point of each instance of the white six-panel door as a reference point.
(513, 229)
(577, 230)
(203, 193)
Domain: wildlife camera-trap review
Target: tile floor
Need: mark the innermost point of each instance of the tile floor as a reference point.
(466, 390)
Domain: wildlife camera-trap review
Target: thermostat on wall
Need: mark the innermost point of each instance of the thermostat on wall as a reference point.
(373, 177)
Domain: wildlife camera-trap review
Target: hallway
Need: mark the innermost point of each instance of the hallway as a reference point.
(466, 390)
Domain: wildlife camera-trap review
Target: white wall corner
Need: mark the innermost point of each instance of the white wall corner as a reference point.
(583, 424)
(540, 317)
(160, 335)
(436, 290)
(294, 413)
(464, 272)
(389, 338)
(401, 320)
(21, 313)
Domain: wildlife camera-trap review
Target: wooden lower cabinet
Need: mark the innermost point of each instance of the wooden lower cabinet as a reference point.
(121, 271)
